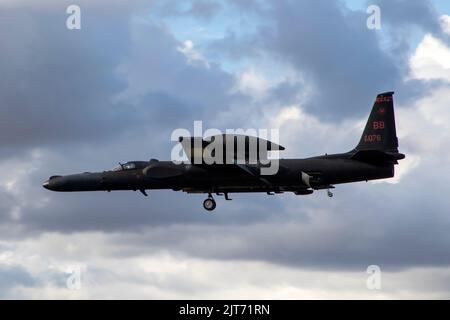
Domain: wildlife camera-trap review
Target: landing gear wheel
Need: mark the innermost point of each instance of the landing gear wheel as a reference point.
(329, 193)
(209, 204)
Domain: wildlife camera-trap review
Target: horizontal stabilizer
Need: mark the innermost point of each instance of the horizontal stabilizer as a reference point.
(377, 156)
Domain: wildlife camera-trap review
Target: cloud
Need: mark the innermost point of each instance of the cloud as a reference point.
(199, 9)
(402, 14)
(334, 53)
(58, 88)
(431, 60)
(67, 86)
(168, 275)
(13, 277)
(445, 23)
(192, 54)
(252, 83)
(204, 9)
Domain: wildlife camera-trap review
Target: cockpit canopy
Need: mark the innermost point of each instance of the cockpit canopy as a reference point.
(130, 165)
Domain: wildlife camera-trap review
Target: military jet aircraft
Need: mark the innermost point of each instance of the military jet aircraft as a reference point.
(373, 158)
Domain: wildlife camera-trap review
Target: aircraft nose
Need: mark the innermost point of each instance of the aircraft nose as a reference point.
(75, 182)
(46, 184)
(51, 184)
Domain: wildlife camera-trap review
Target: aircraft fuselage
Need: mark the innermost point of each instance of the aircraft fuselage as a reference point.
(329, 169)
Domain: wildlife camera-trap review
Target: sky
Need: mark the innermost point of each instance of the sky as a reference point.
(113, 91)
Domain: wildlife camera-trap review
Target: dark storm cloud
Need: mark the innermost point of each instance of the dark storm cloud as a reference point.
(7, 203)
(337, 55)
(57, 84)
(250, 5)
(61, 86)
(168, 89)
(335, 51)
(406, 13)
(411, 231)
(236, 46)
(203, 10)
(88, 87)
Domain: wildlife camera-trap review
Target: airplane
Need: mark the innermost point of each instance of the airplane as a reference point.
(373, 158)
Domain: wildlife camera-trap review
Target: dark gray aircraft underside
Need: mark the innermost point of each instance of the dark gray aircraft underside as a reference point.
(373, 158)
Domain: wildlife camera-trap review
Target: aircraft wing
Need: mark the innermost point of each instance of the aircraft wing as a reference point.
(227, 149)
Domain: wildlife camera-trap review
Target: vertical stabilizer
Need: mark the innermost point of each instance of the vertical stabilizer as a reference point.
(379, 133)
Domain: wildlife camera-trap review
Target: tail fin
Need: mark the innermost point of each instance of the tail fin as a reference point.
(379, 139)
(379, 133)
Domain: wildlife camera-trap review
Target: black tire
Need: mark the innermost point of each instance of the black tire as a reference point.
(209, 204)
